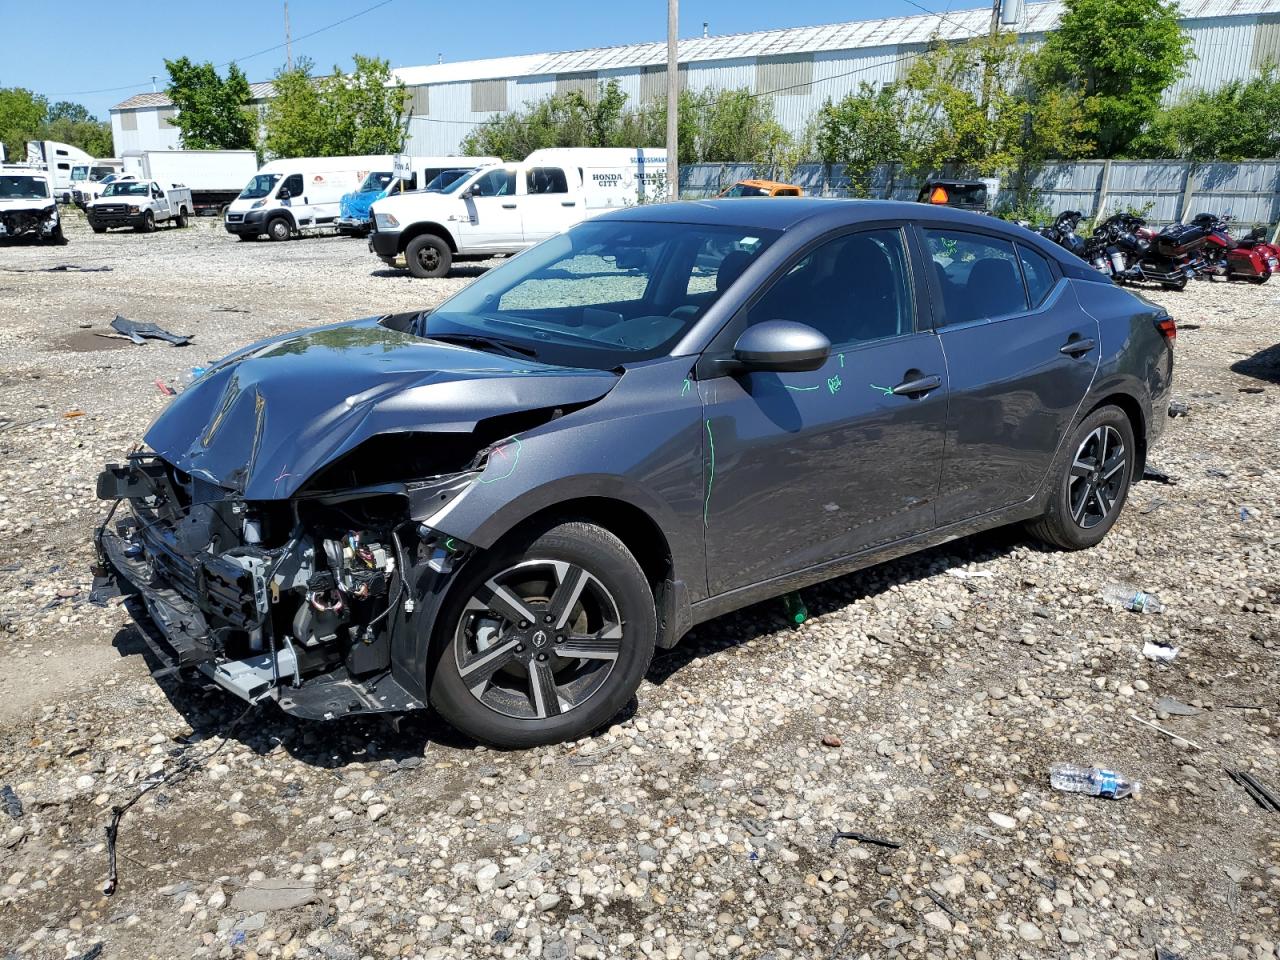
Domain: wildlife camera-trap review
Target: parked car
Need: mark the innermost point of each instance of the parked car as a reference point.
(425, 173)
(289, 198)
(28, 208)
(501, 210)
(762, 188)
(141, 204)
(499, 507)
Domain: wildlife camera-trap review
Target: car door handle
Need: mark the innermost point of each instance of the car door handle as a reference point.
(914, 387)
(568, 203)
(508, 206)
(1077, 348)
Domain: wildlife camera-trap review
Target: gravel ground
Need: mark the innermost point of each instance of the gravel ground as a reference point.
(922, 703)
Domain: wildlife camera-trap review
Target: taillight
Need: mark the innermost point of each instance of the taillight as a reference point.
(1168, 329)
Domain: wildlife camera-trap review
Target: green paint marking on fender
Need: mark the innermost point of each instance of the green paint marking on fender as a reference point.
(887, 391)
(501, 452)
(800, 389)
(842, 360)
(711, 473)
(448, 545)
(685, 388)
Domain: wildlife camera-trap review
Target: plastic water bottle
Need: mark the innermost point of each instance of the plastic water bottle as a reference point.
(797, 612)
(1095, 781)
(1130, 598)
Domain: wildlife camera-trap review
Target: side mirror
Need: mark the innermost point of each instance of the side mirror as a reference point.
(781, 346)
(283, 194)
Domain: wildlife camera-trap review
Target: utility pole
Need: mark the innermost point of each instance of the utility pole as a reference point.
(673, 100)
(288, 42)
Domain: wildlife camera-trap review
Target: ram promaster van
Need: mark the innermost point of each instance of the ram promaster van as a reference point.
(411, 173)
(504, 209)
(287, 198)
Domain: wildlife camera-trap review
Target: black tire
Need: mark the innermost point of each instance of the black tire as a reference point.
(97, 229)
(1179, 284)
(428, 256)
(611, 612)
(1261, 279)
(1071, 521)
(58, 237)
(278, 229)
(244, 236)
(180, 220)
(148, 223)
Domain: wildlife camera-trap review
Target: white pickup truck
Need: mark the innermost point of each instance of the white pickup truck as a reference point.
(505, 209)
(140, 204)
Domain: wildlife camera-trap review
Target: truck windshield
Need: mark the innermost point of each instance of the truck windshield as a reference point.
(261, 185)
(126, 188)
(376, 181)
(23, 188)
(79, 173)
(443, 181)
(606, 292)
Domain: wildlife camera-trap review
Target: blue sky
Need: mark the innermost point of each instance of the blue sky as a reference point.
(92, 46)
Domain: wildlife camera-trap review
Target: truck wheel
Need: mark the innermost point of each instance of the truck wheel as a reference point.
(58, 237)
(180, 220)
(278, 229)
(148, 224)
(97, 229)
(428, 256)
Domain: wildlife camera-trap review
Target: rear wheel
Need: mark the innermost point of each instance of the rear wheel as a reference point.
(1261, 278)
(180, 220)
(1091, 481)
(428, 256)
(546, 639)
(279, 229)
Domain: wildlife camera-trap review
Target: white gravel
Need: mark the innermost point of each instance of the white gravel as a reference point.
(915, 707)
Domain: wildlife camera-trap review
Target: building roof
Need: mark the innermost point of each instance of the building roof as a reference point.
(257, 91)
(852, 35)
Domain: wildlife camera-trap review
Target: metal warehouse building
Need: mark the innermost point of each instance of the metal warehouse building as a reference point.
(800, 67)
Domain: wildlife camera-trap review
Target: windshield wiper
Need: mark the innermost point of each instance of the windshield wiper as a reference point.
(482, 342)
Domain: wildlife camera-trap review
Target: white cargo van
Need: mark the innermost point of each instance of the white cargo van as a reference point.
(289, 197)
(504, 209)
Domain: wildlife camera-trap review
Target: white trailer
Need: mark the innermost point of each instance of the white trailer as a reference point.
(213, 176)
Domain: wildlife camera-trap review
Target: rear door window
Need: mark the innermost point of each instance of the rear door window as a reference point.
(979, 277)
(546, 180)
(1037, 273)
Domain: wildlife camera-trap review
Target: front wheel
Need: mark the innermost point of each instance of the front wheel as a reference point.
(1179, 284)
(97, 229)
(57, 237)
(148, 224)
(1091, 480)
(545, 639)
(428, 256)
(279, 229)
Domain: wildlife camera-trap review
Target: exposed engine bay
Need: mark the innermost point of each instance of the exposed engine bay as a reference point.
(36, 222)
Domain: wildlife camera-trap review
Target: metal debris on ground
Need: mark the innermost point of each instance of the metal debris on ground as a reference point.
(1178, 409)
(1158, 476)
(1152, 505)
(140, 332)
(1175, 708)
(12, 805)
(1167, 733)
(1254, 787)
(863, 838)
(230, 310)
(1253, 390)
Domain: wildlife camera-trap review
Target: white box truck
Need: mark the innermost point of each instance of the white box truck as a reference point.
(504, 209)
(214, 176)
(288, 198)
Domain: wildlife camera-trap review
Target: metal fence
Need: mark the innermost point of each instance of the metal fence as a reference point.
(1162, 191)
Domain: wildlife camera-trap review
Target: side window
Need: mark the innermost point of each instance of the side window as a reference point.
(496, 183)
(546, 180)
(854, 288)
(1038, 274)
(293, 184)
(978, 275)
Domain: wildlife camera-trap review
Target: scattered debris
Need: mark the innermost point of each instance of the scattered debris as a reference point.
(1167, 733)
(1175, 708)
(281, 893)
(1162, 652)
(1253, 390)
(1094, 781)
(139, 332)
(93, 953)
(863, 838)
(1152, 505)
(1130, 598)
(1158, 476)
(72, 414)
(797, 612)
(60, 268)
(1261, 795)
(1179, 409)
(164, 388)
(230, 310)
(831, 740)
(962, 574)
(12, 805)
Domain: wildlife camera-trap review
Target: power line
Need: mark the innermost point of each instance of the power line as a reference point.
(278, 46)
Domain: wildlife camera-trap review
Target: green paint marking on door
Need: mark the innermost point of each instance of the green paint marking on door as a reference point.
(887, 391)
(800, 389)
(711, 473)
(834, 384)
(685, 388)
(842, 361)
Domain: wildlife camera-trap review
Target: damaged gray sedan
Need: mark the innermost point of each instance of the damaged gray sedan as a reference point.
(500, 507)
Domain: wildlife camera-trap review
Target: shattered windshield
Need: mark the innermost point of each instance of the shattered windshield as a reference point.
(376, 182)
(23, 188)
(261, 185)
(605, 293)
(126, 188)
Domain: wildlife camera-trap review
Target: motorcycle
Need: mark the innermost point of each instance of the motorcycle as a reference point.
(1249, 259)
(1170, 257)
(1063, 232)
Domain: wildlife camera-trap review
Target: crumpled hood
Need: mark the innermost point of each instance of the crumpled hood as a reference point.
(268, 417)
(27, 203)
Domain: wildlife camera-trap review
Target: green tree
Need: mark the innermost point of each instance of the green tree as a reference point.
(338, 114)
(21, 114)
(92, 136)
(1120, 56)
(66, 110)
(213, 113)
(862, 131)
(1238, 121)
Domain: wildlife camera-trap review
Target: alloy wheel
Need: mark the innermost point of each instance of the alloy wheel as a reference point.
(1097, 477)
(538, 639)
